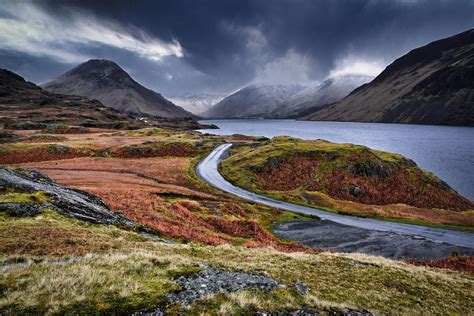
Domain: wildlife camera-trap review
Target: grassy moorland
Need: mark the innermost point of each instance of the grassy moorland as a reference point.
(58, 265)
(53, 264)
(347, 179)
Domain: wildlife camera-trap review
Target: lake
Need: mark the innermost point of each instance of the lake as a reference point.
(446, 151)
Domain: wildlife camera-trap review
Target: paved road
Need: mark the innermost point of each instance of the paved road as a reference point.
(207, 169)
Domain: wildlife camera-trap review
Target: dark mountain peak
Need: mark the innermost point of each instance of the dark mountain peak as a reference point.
(107, 82)
(99, 69)
(101, 63)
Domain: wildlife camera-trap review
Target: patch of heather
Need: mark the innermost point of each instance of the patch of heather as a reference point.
(454, 262)
(233, 208)
(34, 239)
(155, 192)
(162, 169)
(40, 154)
(145, 207)
(289, 175)
(155, 150)
(387, 184)
(401, 187)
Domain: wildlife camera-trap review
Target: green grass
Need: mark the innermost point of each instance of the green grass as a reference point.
(124, 272)
(38, 197)
(47, 137)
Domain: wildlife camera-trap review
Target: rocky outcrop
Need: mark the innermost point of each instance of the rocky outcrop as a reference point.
(7, 137)
(211, 281)
(67, 201)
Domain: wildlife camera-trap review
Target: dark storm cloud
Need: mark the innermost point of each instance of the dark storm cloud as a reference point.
(221, 45)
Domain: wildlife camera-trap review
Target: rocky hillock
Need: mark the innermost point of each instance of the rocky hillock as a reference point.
(27, 192)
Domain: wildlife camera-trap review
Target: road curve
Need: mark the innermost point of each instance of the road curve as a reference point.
(207, 169)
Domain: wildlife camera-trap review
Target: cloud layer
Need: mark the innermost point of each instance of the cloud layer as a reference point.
(27, 28)
(181, 46)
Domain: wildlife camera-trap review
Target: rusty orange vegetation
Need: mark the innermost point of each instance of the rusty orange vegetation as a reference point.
(39, 154)
(145, 151)
(164, 169)
(411, 189)
(290, 175)
(454, 262)
(132, 187)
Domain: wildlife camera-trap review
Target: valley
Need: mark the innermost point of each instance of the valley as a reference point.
(177, 225)
(292, 158)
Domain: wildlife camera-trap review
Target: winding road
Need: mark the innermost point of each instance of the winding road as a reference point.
(207, 169)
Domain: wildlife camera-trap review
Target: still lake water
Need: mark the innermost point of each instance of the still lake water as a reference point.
(446, 151)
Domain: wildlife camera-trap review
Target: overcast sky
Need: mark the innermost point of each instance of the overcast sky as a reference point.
(191, 46)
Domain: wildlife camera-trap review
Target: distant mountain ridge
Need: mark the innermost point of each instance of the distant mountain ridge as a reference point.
(433, 84)
(256, 100)
(197, 103)
(105, 81)
(322, 94)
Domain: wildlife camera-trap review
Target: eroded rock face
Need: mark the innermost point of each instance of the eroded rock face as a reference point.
(67, 201)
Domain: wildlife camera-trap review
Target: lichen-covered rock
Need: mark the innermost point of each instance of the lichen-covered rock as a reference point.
(19, 209)
(7, 137)
(67, 201)
(211, 281)
(302, 288)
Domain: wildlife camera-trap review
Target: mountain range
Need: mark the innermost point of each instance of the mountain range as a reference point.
(322, 94)
(256, 100)
(433, 84)
(107, 82)
(197, 103)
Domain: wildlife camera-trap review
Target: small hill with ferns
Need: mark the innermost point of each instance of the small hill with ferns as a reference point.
(346, 178)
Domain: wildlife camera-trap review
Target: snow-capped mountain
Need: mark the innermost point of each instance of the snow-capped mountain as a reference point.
(256, 100)
(197, 103)
(329, 91)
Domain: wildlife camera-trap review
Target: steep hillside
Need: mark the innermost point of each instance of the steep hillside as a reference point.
(329, 91)
(253, 101)
(105, 81)
(197, 103)
(433, 84)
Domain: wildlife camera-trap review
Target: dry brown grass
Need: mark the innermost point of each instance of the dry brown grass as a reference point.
(454, 262)
(50, 235)
(162, 169)
(136, 273)
(135, 188)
